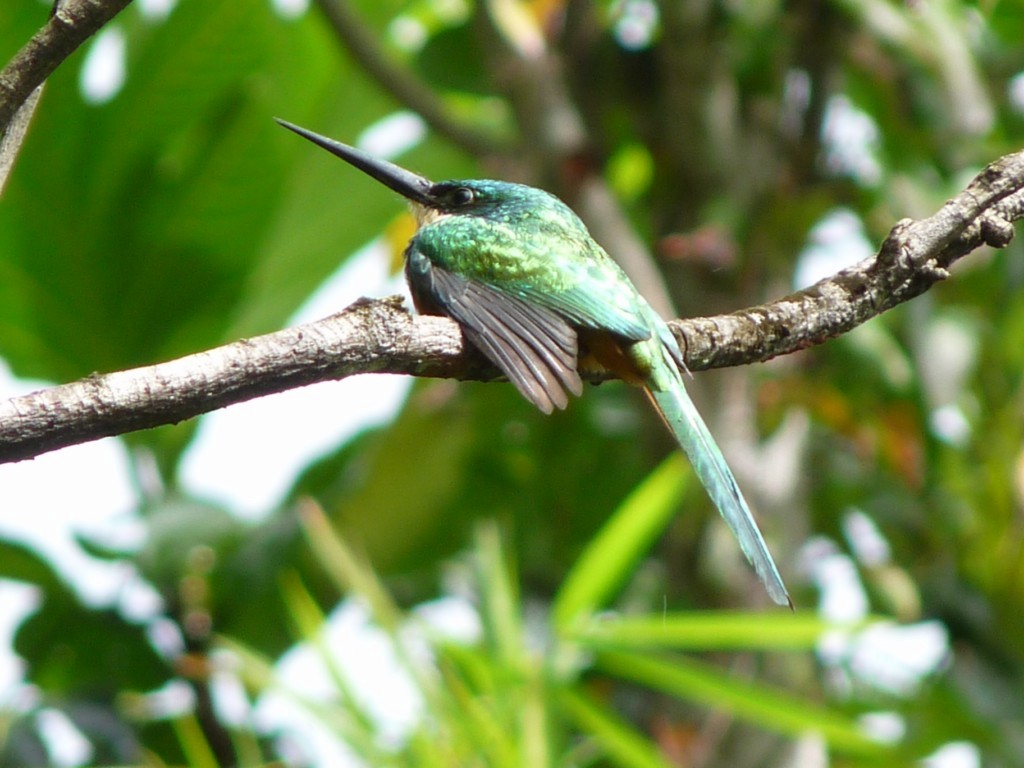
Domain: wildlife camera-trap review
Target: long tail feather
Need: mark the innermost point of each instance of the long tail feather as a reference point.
(689, 429)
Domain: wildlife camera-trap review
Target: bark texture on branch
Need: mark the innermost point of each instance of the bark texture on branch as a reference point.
(380, 336)
(915, 256)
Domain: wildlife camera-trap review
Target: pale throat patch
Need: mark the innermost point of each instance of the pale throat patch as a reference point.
(426, 215)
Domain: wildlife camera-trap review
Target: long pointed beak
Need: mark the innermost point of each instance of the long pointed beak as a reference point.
(405, 183)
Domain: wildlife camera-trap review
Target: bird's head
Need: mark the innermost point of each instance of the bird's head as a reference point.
(432, 201)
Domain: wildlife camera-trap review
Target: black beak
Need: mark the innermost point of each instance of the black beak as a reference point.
(405, 183)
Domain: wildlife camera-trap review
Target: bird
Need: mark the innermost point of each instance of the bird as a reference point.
(530, 288)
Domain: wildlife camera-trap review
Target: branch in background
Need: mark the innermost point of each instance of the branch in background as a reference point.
(555, 138)
(71, 24)
(409, 90)
(381, 337)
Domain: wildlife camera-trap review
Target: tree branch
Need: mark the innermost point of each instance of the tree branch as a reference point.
(379, 336)
(363, 45)
(914, 256)
(71, 24)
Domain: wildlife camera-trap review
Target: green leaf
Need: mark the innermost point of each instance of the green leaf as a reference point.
(311, 624)
(22, 563)
(470, 684)
(175, 216)
(71, 648)
(22, 18)
(755, 702)
(607, 561)
(159, 200)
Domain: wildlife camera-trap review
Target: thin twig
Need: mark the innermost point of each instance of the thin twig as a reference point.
(402, 83)
(381, 337)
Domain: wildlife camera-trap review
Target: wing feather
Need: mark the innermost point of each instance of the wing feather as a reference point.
(534, 346)
(602, 313)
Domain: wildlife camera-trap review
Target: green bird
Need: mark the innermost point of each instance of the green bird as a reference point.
(520, 273)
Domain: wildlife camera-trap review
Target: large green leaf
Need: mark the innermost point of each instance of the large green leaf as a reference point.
(73, 649)
(107, 267)
(135, 230)
(22, 18)
(22, 563)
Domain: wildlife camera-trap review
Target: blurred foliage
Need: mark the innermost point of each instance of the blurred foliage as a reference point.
(175, 216)
(501, 701)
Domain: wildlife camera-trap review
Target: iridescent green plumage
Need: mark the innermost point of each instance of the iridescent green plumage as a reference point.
(528, 243)
(518, 270)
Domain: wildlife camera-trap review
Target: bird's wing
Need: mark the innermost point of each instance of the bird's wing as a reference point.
(591, 292)
(533, 345)
(571, 277)
(599, 312)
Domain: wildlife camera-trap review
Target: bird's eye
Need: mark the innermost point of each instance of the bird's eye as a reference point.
(462, 196)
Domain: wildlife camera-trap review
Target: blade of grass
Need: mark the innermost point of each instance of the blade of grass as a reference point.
(617, 738)
(754, 702)
(357, 577)
(475, 717)
(534, 722)
(309, 623)
(501, 610)
(710, 630)
(256, 672)
(519, 674)
(607, 562)
(197, 750)
(247, 746)
(347, 570)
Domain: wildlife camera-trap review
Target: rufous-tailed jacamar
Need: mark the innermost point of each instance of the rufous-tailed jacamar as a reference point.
(520, 273)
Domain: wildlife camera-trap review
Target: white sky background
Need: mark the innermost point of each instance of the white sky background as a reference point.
(248, 455)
